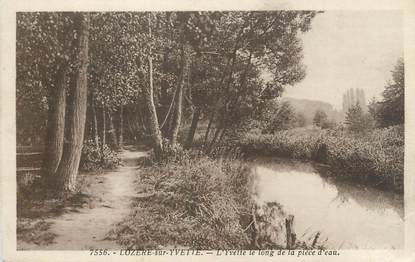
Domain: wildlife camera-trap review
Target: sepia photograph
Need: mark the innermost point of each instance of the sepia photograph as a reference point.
(210, 130)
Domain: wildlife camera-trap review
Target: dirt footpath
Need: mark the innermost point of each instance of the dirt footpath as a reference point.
(86, 227)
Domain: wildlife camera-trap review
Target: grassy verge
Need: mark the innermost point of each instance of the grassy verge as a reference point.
(376, 157)
(194, 202)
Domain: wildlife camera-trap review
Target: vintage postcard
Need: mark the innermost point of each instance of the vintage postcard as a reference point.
(218, 130)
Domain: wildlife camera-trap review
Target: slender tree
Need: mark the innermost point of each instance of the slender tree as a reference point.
(68, 166)
(94, 120)
(178, 98)
(121, 128)
(111, 131)
(193, 126)
(154, 127)
(56, 124)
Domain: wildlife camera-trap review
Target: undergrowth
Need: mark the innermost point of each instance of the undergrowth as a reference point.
(96, 157)
(376, 157)
(193, 202)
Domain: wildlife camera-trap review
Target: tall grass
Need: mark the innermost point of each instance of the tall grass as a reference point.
(194, 202)
(376, 157)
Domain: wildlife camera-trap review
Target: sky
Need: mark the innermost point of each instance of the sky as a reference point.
(349, 49)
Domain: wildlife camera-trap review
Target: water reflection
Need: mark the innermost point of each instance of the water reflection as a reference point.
(348, 215)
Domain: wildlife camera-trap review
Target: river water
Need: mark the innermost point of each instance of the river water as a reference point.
(347, 215)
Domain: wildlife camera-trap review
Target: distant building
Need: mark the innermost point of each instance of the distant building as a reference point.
(352, 97)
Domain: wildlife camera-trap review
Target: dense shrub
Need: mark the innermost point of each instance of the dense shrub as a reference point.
(177, 154)
(196, 202)
(376, 156)
(358, 121)
(94, 157)
(170, 154)
(391, 109)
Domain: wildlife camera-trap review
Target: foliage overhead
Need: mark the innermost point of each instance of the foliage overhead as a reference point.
(236, 60)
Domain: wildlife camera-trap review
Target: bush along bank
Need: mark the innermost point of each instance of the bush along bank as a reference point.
(200, 203)
(97, 157)
(376, 157)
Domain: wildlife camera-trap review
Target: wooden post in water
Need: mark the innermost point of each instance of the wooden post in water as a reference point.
(289, 227)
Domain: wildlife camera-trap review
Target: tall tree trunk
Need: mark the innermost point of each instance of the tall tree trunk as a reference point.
(111, 131)
(121, 128)
(166, 105)
(103, 132)
(56, 124)
(193, 127)
(243, 85)
(205, 140)
(220, 107)
(153, 123)
(104, 126)
(94, 120)
(68, 167)
(142, 119)
(168, 119)
(177, 113)
(222, 135)
(212, 143)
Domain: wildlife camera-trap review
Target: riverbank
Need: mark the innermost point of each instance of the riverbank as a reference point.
(375, 158)
(199, 202)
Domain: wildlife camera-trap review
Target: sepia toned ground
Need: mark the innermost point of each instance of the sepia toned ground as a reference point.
(106, 200)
